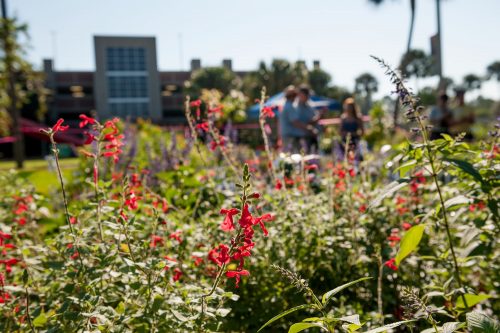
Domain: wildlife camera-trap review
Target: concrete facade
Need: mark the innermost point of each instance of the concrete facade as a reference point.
(116, 64)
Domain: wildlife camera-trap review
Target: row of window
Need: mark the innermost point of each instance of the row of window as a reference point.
(127, 86)
(132, 110)
(126, 59)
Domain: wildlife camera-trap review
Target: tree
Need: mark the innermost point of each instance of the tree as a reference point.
(472, 82)
(275, 77)
(365, 85)
(219, 78)
(493, 71)
(338, 93)
(416, 64)
(19, 83)
(319, 81)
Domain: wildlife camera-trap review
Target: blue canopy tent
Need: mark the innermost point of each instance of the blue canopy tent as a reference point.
(278, 100)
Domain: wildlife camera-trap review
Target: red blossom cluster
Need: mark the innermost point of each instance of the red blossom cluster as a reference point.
(242, 245)
(394, 237)
(21, 207)
(480, 205)
(417, 180)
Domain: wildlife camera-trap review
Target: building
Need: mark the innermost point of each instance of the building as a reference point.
(126, 83)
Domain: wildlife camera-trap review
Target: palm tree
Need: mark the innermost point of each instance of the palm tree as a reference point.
(366, 84)
(18, 82)
(493, 71)
(417, 64)
(472, 82)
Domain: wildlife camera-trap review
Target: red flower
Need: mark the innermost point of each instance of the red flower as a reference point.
(177, 274)
(195, 103)
(219, 255)
(4, 236)
(311, 167)
(352, 172)
(90, 138)
(131, 201)
(197, 260)
(58, 127)
(177, 236)
(237, 275)
(86, 120)
(362, 208)
(267, 112)
(155, 240)
(75, 255)
(215, 110)
(391, 264)
(246, 219)
(73, 220)
(228, 223)
(203, 126)
(406, 225)
(278, 185)
(214, 144)
(4, 297)
(260, 221)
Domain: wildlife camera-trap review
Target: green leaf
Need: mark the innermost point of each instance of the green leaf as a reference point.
(467, 168)
(404, 168)
(471, 300)
(327, 296)
(298, 327)
(389, 190)
(120, 308)
(300, 307)
(451, 327)
(410, 241)
(40, 321)
(481, 323)
(387, 327)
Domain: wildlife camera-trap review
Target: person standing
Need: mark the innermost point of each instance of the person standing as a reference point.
(290, 134)
(351, 123)
(441, 117)
(308, 119)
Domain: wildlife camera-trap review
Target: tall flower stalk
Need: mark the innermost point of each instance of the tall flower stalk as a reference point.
(50, 132)
(242, 244)
(266, 112)
(414, 114)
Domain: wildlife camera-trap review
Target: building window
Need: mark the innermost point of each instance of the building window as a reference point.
(132, 110)
(126, 59)
(127, 86)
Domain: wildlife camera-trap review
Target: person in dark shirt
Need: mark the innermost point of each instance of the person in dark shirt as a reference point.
(351, 122)
(441, 117)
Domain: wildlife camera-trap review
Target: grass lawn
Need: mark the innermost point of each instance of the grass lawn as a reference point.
(38, 173)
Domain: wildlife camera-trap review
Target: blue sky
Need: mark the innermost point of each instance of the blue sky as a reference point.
(340, 33)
